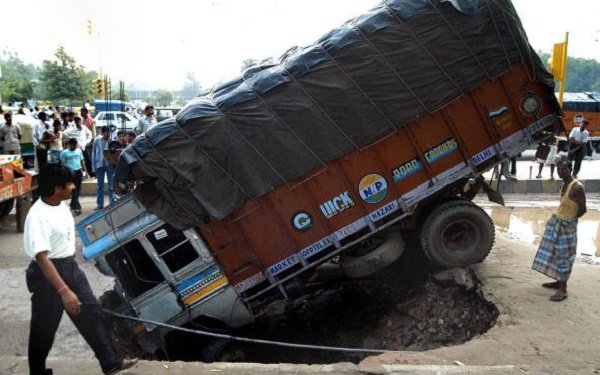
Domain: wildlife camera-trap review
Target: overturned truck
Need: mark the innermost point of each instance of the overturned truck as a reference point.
(379, 130)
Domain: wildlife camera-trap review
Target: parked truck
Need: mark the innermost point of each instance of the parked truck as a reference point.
(379, 131)
(578, 106)
(16, 184)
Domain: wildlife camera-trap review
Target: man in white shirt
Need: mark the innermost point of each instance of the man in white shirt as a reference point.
(79, 132)
(56, 281)
(578, 139)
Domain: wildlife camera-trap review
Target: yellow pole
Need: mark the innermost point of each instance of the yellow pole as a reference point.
(562, 82)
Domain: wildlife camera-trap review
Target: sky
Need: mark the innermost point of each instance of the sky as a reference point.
(155, 43)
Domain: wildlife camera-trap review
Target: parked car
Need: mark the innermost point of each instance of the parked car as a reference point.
(163, 113)
(121, 120)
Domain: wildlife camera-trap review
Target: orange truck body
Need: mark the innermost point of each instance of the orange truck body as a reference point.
(582, 105)
(15, 181)
(297, 223)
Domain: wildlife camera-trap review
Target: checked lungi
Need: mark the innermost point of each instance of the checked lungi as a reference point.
(558, 248)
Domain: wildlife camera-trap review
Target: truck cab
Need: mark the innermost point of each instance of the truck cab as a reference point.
(161, 274)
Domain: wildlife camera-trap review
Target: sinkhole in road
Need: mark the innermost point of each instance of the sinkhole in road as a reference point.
(408, 306)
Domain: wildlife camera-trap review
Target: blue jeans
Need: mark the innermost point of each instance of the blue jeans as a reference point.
(100, 172)
(55, 156)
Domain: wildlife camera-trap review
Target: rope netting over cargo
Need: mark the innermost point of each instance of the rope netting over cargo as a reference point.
(361, 81)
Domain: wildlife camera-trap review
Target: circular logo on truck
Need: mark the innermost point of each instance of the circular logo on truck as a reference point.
(302, 221)
(373, 188)
(531, 104)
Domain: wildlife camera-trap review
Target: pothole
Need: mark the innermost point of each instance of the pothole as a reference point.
(406, 307)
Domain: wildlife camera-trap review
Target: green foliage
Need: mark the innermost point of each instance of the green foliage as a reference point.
(65, 80)
(161, 97)
(18, 79)
(582, 74)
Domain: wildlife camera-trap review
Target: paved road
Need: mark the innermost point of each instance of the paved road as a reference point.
(533, 335)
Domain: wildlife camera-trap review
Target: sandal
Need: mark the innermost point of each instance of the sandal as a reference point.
(553, 285)
(125, 364)
(558, 296)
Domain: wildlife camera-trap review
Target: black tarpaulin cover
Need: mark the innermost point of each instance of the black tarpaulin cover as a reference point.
(375, 73)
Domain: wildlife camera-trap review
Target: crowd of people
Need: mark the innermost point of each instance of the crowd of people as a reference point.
(70, 138)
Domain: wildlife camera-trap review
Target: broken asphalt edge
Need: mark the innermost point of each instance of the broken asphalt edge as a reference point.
(12, 365)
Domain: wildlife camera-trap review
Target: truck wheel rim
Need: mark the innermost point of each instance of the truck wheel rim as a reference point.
(460, 236)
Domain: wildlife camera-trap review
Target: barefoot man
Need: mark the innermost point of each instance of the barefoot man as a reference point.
(556, 254)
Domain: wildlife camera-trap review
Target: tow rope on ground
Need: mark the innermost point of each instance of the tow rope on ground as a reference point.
(246, 339)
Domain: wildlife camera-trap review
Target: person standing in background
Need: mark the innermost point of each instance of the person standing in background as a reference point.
(40, 137)
(551, 146)
(11, 135)
(578, 139)
(55, 146)
(88, 122)
(101, 167)
(147, 121)
(72, 157)
(83, 136)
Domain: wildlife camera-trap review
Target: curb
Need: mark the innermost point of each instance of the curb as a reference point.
(68, 366)
(541, 186)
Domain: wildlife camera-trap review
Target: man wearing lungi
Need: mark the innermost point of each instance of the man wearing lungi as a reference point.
(556, 254)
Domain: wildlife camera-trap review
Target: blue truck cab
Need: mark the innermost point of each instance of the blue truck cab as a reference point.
(161, 274)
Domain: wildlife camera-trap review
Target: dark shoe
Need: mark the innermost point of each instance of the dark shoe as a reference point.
(126, 364)
(559, 296)
(97, 208)
(76, 212)
(538, 176)
(553, 285)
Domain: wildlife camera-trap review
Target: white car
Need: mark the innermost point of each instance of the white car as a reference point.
(121, 120)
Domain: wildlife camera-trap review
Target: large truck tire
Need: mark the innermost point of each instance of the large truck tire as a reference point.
(457, 234)
(6, 207)
(382, 256)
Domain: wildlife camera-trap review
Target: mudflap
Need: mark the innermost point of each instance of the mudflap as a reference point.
(475, 186)
(492, 194)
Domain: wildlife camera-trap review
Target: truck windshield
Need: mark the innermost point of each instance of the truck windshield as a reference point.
(173, 247)
(134, 268)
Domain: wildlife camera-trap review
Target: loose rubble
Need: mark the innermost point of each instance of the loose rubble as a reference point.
(402, 308)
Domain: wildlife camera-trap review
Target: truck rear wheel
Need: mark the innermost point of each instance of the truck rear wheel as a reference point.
(385, 254)
(456, 234)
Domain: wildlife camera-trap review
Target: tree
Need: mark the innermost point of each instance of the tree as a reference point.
(582, 74)
(18, 79)
(66, 81)
(191, 87)
(161, 97)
